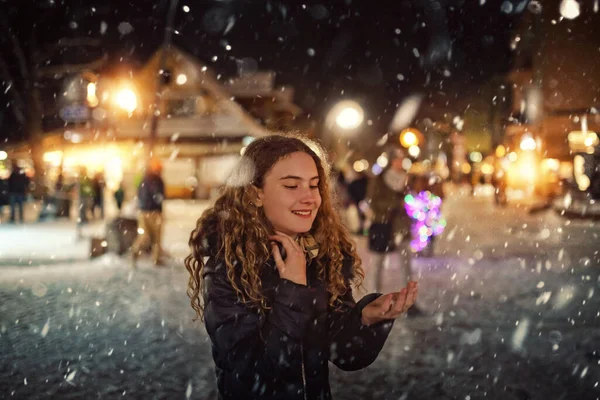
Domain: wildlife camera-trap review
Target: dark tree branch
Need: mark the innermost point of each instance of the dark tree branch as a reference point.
(63, 43)
(18, 106)
(19, 54)
(63, 69)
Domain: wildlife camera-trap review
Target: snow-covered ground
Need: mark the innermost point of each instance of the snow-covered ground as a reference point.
(512, 303)
(52, 242)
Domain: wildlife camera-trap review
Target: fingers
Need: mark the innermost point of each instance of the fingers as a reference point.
(391, 305)
(287, 238)
(288, 243)
(399, 305)
(412, 294)
(381, 305)
(387, 303)
(402, 301)
(277, 257)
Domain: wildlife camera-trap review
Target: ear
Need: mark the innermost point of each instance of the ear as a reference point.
(259, 195)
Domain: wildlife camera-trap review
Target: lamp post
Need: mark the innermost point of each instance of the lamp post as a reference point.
(126, 100)
(161, 75)
(346, 115)
(343, 119)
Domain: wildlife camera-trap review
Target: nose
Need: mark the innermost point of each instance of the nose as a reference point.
(308, 196)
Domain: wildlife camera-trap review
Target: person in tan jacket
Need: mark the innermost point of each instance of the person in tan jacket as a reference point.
(390, 227)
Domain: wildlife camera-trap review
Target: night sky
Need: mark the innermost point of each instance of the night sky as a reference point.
(327, 50)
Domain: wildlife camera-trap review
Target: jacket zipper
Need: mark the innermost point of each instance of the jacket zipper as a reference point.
(303, 372)
(302, 351)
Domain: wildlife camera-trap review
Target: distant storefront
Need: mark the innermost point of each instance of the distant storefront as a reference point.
(200, 134)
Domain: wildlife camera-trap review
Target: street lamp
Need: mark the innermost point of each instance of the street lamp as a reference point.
(161, 74)
(528, 143)
(349, 118)
(414, 151)
(346, 115)
(408, 138)
(91, 97)
(181, 79)
(343, 119)
(126, 99)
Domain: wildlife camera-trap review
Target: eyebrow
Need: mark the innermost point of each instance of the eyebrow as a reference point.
(297, 177)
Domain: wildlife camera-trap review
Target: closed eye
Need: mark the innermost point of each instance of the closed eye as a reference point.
(296, 186)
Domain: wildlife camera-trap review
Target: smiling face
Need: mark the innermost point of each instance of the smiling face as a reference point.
(290, 194)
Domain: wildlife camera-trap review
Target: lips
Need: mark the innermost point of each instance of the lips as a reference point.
(302, 213)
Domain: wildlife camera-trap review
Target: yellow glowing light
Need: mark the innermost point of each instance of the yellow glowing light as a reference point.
(500, 151)
(408, 138)
(476, 156)
(111, 160)
(181, 79)
(127, 100)
(465, 168)
(552, 164)
(383, 160)
(360, 165)
(528, 173)
(3, 155)
(582, 141)
(523, 172)
(591, 139)
(414, 151)
(487, 169)
(528, 143)
(583, 181)
(53, 157)
(349, 118)
(92, 99)
(512, 156)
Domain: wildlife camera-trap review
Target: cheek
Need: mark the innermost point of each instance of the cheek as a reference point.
(275, 204)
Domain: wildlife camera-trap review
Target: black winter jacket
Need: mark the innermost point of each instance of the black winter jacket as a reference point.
(18, 182)
(151, 193)
(284, 354)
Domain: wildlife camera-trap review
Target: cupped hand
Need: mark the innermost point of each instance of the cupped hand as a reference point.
(294, 266)
(390, 306)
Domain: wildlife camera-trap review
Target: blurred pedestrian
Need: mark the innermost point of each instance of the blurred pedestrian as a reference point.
(275, 267)
(18, 184)
(98, 184)
(86, 195)
(119, 196)
(390, 227)
(151, 194)
(62, 197)
(357, 191)
(4, 196)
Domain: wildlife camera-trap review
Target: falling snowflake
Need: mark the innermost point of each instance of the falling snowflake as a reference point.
(125, 28)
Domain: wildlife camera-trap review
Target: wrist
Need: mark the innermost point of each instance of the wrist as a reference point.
(296, 279)
(365, 320)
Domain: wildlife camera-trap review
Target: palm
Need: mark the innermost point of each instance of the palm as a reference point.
(391, 305)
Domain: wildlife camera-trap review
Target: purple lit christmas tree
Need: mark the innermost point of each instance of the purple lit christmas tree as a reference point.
(424, 209)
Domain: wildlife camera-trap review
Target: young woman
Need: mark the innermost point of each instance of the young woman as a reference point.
(274, 266)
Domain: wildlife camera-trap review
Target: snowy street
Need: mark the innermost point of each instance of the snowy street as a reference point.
(512, 302)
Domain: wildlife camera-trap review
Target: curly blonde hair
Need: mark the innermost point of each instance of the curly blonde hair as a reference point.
(243, 230)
